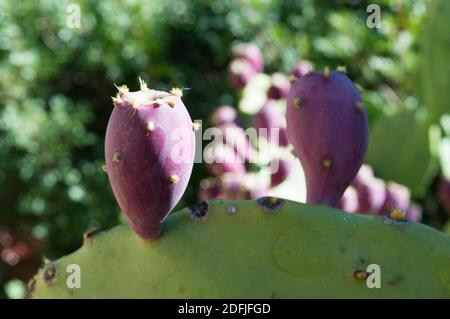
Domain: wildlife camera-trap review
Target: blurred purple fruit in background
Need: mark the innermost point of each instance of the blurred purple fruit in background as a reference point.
(279, 86)
(444, 193)
(252, 54)
(241, 72)
(349, 201)
(302, 68)
(397, 197)
(221, 158)
(223, 115)
(284, 169)
(414, 213)
(270, 117)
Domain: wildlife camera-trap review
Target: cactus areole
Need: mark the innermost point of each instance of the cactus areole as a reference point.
(149, 152)
(327, 125)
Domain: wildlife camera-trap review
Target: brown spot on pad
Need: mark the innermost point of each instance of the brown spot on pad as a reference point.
(50, 274)
(270, 204)
(199, 211)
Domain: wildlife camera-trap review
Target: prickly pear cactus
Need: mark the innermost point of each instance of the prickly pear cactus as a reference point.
(435, 69)
(405, 137)
(267, 248)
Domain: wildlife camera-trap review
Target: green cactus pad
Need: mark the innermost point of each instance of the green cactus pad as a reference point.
(399, 151)
(435, 69)
(268, 248)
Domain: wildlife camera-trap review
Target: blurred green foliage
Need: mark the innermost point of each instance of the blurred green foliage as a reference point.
(56, 83)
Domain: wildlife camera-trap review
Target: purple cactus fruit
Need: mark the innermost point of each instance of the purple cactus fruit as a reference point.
(240, 73)
(251, 53)
(221, 159)
(270, 117)
(414, 213)
(234, 136)
(397, 197)
(211, 188)
(327, 125)
(149, 151)
(223, 115)
(234, 186)
(279, 86)
(302, 68)
(443, 190)
(284, 169)
(371, 194)
(364, 175)
(349, 200)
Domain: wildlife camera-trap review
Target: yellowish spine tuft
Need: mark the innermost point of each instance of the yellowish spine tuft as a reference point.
(171, 103)
(177, 91)
(150, 126)
(143, 85)
(174, 179)
(327, 163)
(116, 157)
(297, 103)
(342, 69)
(195, 126)
(397, 214)
(360, 106)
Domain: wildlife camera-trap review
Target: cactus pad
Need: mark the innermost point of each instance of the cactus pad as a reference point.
(269, 248)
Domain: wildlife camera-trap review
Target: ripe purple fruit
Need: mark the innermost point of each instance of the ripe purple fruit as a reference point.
(414, 213)
(149, 151)
(251, 53)
(223, 115)
(397, 197)
(371, 194)
(283, 171)
(270, 117)
(349, 201)
(241, 72)
(221, 159)
(327, 125)
(234, 136)
(211, 188)
(364, 176)
(279, 86)
(302, 68)
(443, 190)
